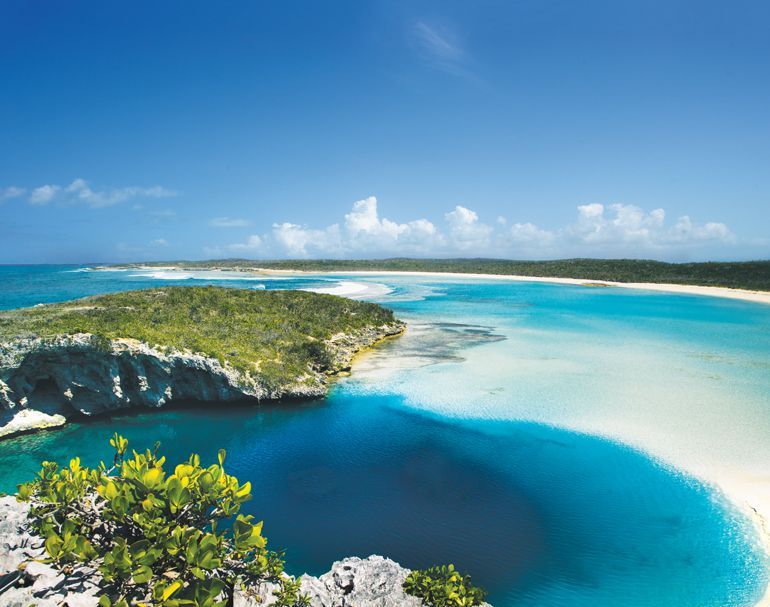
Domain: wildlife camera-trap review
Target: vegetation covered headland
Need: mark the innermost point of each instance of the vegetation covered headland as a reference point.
(751, 275)
(148, 347)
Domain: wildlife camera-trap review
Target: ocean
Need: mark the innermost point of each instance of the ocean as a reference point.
(565, 445)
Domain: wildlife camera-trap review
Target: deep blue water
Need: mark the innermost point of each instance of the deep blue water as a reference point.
(539, 515)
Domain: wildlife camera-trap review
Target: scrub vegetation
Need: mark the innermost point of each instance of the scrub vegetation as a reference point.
(739, 275)
(443, 587)
(278, 333)
(163, 536)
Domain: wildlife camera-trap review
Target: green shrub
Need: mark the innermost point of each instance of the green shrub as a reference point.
(443, 587)
(156, 538)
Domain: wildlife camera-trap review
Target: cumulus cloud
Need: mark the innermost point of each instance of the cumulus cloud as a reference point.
(596, 230)
(626, 227)
(465, 230)
(298, 241)
(253, 244)
(530, 234)
(362, 232)
(43, 194)
(80, 192)
(229, 222)
(365, 230)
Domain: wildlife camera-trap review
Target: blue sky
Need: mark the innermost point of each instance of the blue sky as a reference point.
(521, 129)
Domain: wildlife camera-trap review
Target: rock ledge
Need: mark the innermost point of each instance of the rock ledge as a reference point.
(45, 381)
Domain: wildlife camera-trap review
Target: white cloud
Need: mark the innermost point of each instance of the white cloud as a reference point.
(229, 222)
(528, 233)
(625, 227)
(79, 192)
(253, 244)
(365, 230)
(43, 194)
(685, 231)
(11, 192)
(159, 242)
(626, 223)
(297, 241)
(616, 230)
(465, 230)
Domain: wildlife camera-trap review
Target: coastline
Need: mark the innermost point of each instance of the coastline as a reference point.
(749, 495)
(725, 292)
(762, 297)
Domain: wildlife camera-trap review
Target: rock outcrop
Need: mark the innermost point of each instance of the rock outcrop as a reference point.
(24, 580)
(45, 381)
(352, 582)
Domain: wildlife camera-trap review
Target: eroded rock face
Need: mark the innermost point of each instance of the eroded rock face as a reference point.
(43, 381)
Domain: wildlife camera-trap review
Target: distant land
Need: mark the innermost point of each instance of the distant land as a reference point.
(751, 275)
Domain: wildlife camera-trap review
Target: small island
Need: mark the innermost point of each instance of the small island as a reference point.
(149, 347)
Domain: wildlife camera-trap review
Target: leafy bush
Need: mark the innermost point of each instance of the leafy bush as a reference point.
(443, 587)
(156, 538)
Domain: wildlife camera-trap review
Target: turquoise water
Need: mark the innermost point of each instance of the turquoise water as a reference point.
(483, 437)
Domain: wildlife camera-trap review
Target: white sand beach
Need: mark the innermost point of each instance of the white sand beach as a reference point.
(354, 290)
(167, 272)
(742, 294)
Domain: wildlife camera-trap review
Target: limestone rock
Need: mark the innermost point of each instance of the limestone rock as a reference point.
(354, 582)
(37, 583)
(43, 381)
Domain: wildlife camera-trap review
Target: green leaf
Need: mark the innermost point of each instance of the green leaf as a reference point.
(53, 545)
(142, 574)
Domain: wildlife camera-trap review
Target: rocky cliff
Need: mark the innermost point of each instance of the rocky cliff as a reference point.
(44, 381)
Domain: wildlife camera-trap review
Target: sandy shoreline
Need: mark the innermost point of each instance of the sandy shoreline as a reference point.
(742, 294)
(730, 293)
(750, 495)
